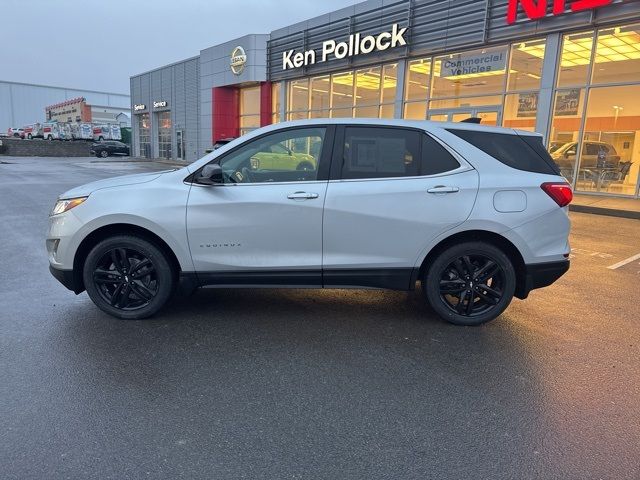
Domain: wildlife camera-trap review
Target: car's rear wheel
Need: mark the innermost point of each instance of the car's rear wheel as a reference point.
(470, 283)
(104, 154)
(128, 277)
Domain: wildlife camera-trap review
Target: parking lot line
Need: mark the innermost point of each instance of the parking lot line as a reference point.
(624, 262)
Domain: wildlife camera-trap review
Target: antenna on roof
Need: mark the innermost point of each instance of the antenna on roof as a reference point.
(475, 120)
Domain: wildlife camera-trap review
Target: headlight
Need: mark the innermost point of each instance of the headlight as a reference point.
(66, 205)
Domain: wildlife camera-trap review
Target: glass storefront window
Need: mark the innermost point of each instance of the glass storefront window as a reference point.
(575, 59)
(389, 83)
(367, 112)
(298, 95)
(342, 90)
(164, 134)
(565, 129)
(298, 115)
(275, 102)
(476, 72)
(415, 111)
(250, 101)
(320, 113)
(418, 80)
(368, 87)
(520, 111)
(321, 93)
(525, 70)
(610, 155)
(342, 113)
(387, 111)
(144, 135)
(249, 109)
(617, 57)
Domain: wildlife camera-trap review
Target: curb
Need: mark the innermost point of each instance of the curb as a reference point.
(610, 212)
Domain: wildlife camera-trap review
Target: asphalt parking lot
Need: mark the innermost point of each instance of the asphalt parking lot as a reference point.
(279, 384)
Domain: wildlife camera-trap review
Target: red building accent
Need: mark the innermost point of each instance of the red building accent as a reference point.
(265, 104)
(225, 113)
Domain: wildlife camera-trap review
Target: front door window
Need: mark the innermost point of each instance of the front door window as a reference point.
(288, 156)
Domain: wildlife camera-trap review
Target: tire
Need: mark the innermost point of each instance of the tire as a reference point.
(103, 154)
(304, 166)
(132, 293)
(29, 137)
(453, 283)
(100, 139)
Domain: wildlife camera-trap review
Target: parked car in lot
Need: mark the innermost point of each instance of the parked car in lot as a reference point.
(16, 132)
(108, 148)
(477, 214)
(594, 155)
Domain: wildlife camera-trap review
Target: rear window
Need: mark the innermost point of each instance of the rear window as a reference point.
(520, 152)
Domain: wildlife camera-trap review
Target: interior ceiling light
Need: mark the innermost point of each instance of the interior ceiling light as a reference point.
(613, 46)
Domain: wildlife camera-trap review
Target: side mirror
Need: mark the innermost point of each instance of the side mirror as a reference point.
(211, 174)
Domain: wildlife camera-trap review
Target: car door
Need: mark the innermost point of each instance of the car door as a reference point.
(392, 192)
(262, 225)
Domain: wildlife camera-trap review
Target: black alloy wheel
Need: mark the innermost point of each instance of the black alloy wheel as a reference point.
(470, 284)
(128, 277)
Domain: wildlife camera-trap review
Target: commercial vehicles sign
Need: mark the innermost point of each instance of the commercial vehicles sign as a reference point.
(535, 9)
(469, 64)
(355, 45)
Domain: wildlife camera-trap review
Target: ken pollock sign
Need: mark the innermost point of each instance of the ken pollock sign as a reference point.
(355, 45)
(535, 9)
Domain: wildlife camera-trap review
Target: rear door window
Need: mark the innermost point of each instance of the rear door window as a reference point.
(379, 152)
(522, 152)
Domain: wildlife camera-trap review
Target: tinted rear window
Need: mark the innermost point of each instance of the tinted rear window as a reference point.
(521, 152)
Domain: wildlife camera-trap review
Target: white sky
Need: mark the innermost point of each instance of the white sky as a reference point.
(99, 44)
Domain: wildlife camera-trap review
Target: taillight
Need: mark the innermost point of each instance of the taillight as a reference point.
(560, 192)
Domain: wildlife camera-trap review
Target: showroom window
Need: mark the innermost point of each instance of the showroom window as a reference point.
(368, 92)
(249, 109)
(499, 85)
(144, 135)
(275, 102)
(595, 131)
(164, 134)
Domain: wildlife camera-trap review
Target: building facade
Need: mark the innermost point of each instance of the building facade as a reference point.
(569, 70)
(24, 103)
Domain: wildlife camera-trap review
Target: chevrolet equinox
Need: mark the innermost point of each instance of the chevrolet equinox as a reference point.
(476, 214)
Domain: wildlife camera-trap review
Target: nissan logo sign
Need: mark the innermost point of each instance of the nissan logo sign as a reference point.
(238, 60)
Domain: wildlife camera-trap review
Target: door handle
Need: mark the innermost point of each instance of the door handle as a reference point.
(443, 189)
(302, 196)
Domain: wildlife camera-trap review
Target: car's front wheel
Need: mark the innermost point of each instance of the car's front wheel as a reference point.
(128, 277)
(470, 283)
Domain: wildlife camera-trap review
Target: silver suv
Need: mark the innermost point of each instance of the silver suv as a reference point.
(476, 214)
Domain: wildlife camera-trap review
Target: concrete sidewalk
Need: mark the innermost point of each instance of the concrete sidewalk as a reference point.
(612, 206)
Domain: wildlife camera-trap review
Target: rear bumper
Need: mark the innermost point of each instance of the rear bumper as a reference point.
(539, 275)
(68, 279)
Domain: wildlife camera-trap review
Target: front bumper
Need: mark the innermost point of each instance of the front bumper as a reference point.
(539, 275)
(68, 279)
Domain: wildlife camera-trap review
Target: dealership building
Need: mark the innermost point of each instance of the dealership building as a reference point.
(568, 69)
